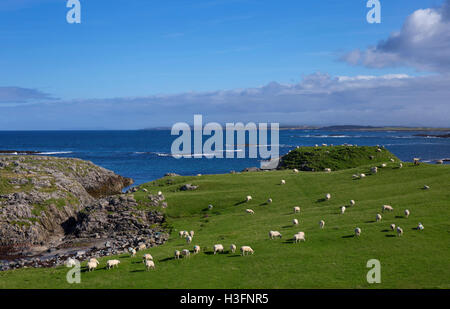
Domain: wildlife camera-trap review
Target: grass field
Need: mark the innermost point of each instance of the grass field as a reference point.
(330, 257)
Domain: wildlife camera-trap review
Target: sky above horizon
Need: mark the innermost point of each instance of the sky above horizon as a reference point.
(139, 64)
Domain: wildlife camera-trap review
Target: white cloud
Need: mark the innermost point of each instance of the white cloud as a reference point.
(423, 43)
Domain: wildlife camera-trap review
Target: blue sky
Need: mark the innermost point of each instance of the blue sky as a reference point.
(146, 50)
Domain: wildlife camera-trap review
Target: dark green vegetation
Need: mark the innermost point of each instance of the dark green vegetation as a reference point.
(335, 157)
(330, 258)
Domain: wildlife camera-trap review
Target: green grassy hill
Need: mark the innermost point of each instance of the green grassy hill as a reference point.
(335, 157)
(330, 257)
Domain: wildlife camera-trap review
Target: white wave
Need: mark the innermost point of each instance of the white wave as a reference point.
(55, 152)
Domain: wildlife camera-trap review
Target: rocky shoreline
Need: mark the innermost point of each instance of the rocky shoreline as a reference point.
(55, 208)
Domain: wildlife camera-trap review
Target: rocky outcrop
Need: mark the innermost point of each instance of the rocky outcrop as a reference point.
(39, 196)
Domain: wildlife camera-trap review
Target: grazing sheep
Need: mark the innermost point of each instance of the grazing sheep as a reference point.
(245, 250)
(416, 161)
(296, 209)
(372, 157)
(185, 253)
(378, 150)
(142, 247)
(283, 182)
(387, 208)
(218, 248)
(407, 213)
(159, 193)
(210, 206)
(92, 265)
(295, 170)
(357, 232)
(420, 226)
(177, 254)
(269, 201)
(328, 196)
(362, 175)
(181, 233)
(352, 203)
(440, 162)
(273, 234)
(400, 165)
(321, 224)
(188, 239)
(378, 217)
(196, 249)
(399, 231)
(111, 263)
(300, 236)
(354, 176)
(374, 170)
(327, 170)
(233, 248)
(324, 145)
(250, 211)
(343, 210)
(132, 252)
(383, 165)
(146, 257)
(248, 198)
(70, 262)
(149, 264)
(94, 260)
(426, 187)
(392, 160)
(295, 222)
(393, 226)
(191, 233)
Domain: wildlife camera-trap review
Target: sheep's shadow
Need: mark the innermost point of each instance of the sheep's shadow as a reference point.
(138, 271)
(371, 221)
(348, 236)
(234, 255)
(399, 217)
(209, 252)
(288, 241)
(321, 200)
(385, 230)
(264, 204)
(389, 235)
(240, 203)
(167, 259)
(286, 226)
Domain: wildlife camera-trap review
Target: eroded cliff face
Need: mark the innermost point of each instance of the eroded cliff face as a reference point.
(41, 196)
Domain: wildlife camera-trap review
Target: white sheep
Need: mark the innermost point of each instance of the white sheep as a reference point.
(149, 264)
(358, 232)
(399, 231)
(142, 247)
(283, 182)
(159, 193)
(111, 263)
(400, 165)
(354, 176)
(185, 253)
(218, 248)
(245, 250)
(70, 262)
(296, 209)
(196, 249)
(295, 170)
(295, 222)
(362, 175)
(328, 196)
(392, 160)
(188, 239)
(440, 162)
(321, 224)
(132, 252)
(393, 226)
(387, 208)
(269, 201)
(233, 248)
(383, 165)
(416, 161)
(420, 226)
(146, 257)
(378, 217)
(92, 265)
(177, 254)
(300, 236)
(181, 233)
(324, 145)
(191, 233)
(210, 206)
(374, 170)
(273, 234)
(426, 187)
(352, 203)
(343, 210)
(327, 170)
(248, 198)
(250, 211)
(407, 213)
(378, 150)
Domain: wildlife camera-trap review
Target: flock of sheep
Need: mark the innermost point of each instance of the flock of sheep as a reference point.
(245, 250)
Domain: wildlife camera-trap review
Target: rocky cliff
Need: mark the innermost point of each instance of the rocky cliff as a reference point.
(40, 197)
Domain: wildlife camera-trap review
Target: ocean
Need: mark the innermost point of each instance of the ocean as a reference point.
(145, 155)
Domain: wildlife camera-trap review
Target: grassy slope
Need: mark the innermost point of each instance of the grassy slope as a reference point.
(330, 258)
(336, 157)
